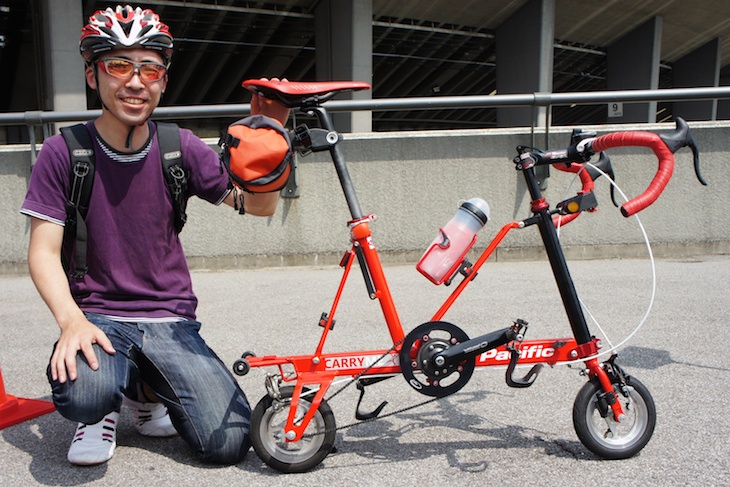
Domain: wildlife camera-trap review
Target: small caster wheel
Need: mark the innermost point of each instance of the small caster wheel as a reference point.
(241, 367)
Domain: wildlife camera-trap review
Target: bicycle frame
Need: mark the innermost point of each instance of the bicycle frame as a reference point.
(318, 370)
(613, 414)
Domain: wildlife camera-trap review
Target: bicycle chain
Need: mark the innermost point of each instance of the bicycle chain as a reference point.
(355, 379)
(392, 413)
(366, 369)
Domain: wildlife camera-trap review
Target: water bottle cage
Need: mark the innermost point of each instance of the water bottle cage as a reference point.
(445, 243)
(465, 269)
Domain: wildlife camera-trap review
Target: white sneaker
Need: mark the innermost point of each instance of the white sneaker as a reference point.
(94, 443)
(150, 418)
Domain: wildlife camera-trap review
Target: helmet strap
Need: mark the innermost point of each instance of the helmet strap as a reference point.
(128, 144)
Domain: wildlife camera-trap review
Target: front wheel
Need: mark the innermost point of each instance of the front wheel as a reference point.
(604, 436)
(268, 420)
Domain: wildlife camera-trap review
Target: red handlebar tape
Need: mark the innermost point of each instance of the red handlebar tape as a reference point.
(664, 171)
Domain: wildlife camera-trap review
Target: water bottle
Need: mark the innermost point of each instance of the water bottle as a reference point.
(446, 253)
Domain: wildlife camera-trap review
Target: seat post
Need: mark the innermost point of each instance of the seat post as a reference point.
(343, 174)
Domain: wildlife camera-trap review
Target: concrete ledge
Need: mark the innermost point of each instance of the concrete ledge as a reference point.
(414, 182)
(507, 254)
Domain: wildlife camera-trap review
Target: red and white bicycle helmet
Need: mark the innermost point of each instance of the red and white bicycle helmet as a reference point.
(125, 28)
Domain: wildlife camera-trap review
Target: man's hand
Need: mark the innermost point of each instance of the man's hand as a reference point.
(260, 105)
(80, 335)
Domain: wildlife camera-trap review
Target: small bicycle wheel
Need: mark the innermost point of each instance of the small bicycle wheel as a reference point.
(606, 437)
(268, 420)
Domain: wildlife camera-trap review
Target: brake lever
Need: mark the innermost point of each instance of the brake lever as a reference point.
(682, 137)
(603, 166)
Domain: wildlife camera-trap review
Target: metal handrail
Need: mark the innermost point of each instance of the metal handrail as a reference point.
(35, 118)
(386, 104)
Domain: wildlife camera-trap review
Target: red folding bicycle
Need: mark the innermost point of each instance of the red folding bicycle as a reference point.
(293, 428)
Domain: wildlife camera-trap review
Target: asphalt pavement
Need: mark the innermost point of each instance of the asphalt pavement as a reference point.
(487, 433)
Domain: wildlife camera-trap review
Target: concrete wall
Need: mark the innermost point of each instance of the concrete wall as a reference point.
(413, 182)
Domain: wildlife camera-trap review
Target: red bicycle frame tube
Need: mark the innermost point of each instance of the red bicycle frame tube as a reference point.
(472, 272)
(361, 236)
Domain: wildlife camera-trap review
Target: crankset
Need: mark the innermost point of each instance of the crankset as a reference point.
(423, 367)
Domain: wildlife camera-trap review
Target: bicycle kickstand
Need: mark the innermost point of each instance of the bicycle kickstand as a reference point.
(360, 416)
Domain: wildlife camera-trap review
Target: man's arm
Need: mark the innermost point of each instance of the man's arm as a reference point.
(258, 204)
(77, 333)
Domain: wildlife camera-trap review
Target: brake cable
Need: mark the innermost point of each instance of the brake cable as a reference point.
(612, 347)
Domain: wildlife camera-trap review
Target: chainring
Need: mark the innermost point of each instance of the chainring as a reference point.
(419, 349)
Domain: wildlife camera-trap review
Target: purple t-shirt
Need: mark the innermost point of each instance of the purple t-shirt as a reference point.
(137, 267)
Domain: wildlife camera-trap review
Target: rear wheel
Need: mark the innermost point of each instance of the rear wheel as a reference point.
(267, 433)
(604, 436)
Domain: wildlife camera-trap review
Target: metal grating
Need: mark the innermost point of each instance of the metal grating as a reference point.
(221, 42)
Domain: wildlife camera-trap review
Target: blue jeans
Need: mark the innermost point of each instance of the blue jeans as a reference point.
(206, 405)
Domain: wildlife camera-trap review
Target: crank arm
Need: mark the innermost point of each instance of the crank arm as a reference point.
(470, 348)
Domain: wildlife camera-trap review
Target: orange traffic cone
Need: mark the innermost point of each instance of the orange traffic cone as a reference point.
(14, 410)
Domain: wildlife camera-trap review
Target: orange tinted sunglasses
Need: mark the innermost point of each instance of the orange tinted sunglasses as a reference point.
(124, 69)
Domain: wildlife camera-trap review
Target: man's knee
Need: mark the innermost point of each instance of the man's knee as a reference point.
(227, 447)
(87, 410)
(88, 398)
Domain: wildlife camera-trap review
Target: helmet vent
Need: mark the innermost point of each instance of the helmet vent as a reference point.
(106, 30)
(126, 27)
(145, 30)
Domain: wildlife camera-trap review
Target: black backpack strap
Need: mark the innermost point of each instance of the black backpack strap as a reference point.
(168, 137)
(81, 150)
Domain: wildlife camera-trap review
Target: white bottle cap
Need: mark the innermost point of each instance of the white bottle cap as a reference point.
(477, 207)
